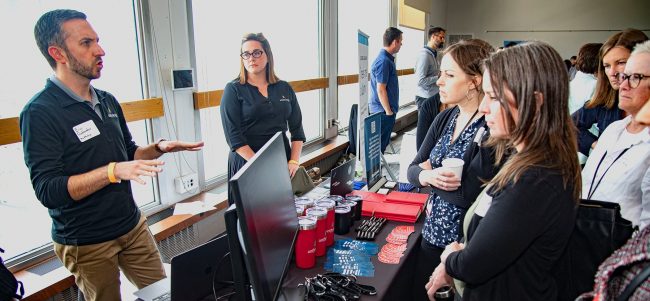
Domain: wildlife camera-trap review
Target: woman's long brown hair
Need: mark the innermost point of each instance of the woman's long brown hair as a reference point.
(535, 74)
(270, 65)
(605, 95)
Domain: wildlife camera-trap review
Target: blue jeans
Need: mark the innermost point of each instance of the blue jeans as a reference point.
(387, 123)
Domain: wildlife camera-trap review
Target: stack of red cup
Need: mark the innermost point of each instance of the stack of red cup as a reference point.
(306, 243)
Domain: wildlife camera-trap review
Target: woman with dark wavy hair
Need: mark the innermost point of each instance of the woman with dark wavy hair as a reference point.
(519, 225)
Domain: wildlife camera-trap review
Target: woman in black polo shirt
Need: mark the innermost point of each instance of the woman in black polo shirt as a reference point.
(256, 105)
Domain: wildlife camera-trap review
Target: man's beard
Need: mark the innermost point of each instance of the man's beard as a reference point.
(81, 69)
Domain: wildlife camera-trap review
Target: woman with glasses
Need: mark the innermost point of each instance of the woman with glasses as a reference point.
(454, 133)
(256, 105)
(617, 170)
(617, 272)
(602, 109)
(519, 225)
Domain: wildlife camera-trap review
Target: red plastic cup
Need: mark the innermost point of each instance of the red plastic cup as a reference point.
(329, 206)
(306, 243)
(321, 237)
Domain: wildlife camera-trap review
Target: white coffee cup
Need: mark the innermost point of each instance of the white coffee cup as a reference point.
(454, 165)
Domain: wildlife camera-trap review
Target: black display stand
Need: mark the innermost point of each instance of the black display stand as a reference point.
(240, 278)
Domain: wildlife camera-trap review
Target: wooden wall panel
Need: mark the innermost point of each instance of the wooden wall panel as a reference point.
(310, 84)
(207, 99)
(133, 111)
(154, 107)
(143, 109)
(9, 131)
(354, 78)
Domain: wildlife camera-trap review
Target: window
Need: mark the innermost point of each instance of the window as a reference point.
(121, 76)
(413, 42)
(294, 38)
(372, 19)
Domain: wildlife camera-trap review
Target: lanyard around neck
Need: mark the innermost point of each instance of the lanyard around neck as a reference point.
(592, 189)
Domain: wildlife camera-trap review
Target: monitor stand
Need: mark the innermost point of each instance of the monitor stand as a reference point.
(293, 293)
(377, 185)
(241, 282)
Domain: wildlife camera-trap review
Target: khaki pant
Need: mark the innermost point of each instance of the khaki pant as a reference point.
(96, 267)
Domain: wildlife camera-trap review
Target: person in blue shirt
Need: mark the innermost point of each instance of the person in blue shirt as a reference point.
(384, 88)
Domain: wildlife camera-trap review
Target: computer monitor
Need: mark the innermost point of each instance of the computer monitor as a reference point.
(342, 177)
(266, 220)
(194, 274)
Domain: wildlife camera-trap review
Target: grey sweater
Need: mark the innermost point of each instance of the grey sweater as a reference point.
(426, 72)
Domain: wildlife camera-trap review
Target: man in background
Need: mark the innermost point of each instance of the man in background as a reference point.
(427, 68)
(572, 70)
(384, 87)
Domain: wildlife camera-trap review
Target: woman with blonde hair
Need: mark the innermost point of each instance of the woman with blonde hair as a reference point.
(521, 222)
(603, 109)
(256, 105)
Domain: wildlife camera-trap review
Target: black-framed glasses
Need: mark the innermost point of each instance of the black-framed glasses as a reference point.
(247, 55)
(634, 78)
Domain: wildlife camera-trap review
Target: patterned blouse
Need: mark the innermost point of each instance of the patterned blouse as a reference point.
(442, 225)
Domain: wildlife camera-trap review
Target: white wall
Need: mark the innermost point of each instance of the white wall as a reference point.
(438, 13)
(580, 21)
(167, 48)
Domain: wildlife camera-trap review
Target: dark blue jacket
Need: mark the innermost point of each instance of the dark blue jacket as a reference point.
(585, 118)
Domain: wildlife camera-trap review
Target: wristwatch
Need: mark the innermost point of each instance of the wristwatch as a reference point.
(158, 147)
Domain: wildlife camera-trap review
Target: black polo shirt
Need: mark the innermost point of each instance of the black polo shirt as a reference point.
(63, 137)
(251, 119)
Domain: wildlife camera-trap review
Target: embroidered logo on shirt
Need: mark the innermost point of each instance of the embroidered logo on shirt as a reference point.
(110, 114)
(284, 98)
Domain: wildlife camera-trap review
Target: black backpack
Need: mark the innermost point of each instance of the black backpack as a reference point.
(9, 286)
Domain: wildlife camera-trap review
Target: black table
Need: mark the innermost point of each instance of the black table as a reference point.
(393, 281)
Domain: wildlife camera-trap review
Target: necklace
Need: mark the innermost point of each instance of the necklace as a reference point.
(466, 125)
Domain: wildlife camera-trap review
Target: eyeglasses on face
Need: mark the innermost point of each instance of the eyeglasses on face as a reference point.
(634, 78)
(247, 55)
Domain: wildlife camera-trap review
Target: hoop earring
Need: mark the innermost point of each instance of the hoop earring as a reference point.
(467, 95)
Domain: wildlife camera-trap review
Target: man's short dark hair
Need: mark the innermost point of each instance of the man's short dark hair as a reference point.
(435, 31)
(391, 34)
(573, 57)
(47, 30)
(587, 61)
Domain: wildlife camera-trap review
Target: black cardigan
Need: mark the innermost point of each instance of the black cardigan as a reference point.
(511, 250)
(480, 168)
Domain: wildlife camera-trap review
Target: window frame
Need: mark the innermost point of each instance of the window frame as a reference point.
(46, 251)
(323, 99)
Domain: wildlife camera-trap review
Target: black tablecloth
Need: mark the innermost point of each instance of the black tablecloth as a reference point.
(393, 281)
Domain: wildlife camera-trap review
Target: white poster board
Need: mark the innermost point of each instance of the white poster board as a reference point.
(362, 39)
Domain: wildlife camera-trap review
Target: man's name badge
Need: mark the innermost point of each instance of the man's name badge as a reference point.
(86, 131)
